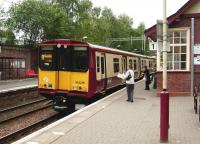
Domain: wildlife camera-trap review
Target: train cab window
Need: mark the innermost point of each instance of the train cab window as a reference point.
(116, 65)
(98, 64)
(47, 58)
(80, 59)
(64, 58)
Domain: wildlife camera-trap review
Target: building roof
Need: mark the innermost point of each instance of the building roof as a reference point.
(152, 30)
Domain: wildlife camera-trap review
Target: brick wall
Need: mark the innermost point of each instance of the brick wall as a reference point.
(178, 83)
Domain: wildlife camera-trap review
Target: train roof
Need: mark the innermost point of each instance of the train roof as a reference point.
(68, 41)
(62, 42)
(119, 51)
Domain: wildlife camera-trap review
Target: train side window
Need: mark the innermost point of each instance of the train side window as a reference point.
(131, 62)
(116, 65)
(98, 64)
(142, 64)
(102, 65)
(135, 65)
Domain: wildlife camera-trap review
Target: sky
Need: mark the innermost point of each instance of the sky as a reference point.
(147, 11)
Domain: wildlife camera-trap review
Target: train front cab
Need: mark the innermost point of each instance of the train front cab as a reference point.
(63, 73)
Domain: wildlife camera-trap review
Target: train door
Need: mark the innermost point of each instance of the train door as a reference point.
(63, 77)
(101, 71)
(124, 64)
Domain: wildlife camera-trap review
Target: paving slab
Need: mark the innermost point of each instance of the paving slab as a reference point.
(116, 121)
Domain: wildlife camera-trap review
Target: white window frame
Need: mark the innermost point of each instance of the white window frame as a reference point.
(187, 29)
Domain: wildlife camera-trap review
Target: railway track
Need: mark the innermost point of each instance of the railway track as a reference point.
(36, 124)
(13, 97)
(26, 117)
(23, 109)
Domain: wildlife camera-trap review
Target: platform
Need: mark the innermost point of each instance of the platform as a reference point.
(113, 120)
(9, 85)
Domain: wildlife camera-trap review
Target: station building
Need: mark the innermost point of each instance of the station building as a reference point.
(179, 57)
(14, 60)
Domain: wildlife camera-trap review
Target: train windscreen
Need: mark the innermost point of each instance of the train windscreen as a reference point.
(47, 58)
(70, 58)
(73, 59)
(79, 59)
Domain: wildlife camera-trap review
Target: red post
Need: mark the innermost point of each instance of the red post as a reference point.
(164, 116)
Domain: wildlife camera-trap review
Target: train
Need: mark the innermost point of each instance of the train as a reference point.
(72, 71)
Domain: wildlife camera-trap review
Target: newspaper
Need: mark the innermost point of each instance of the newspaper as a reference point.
(122, 76)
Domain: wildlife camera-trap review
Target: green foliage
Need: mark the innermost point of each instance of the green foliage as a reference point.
(8, 35)
(73, 19)
(37, 20)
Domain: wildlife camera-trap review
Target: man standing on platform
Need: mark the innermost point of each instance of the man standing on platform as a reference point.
(129, 77)
(147, 78)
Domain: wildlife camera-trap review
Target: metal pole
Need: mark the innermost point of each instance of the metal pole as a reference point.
(142, 45)
(164, 95)
(144, 42)
(164, 47)
(192, 56)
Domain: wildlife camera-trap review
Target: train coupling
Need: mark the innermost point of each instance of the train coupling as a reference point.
(59, 108)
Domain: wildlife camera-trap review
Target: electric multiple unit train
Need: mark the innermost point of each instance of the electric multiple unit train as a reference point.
(72, 71)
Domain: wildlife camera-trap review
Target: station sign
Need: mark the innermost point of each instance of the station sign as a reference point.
(197, 60)
(197, 49)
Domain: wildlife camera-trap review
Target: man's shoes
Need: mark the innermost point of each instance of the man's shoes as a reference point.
(129, 100)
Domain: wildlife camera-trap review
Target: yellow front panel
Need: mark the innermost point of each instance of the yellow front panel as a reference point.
(64, 80)
(76, 81)
(47, 79)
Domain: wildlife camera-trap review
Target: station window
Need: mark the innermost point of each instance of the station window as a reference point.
(177, 58)
(116, 65)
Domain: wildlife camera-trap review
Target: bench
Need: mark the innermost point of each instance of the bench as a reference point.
(30, 73)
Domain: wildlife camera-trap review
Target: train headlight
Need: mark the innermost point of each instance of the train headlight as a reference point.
(45, 85)
(50, 85)
(83, 88)
(74, 88)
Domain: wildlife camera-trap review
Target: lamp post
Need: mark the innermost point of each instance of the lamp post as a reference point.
(84, 38)
(118, 46)
(164, 95)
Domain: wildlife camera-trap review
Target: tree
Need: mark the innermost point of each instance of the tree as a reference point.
(1, 17)
(141, 28)
(8, 35)
(37, 20)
